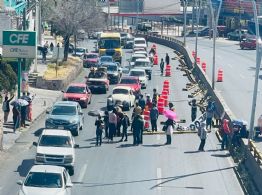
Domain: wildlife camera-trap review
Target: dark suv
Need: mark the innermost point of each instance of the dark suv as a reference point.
(113, 72)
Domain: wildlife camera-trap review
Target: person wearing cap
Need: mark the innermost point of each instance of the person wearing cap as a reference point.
(99, 130)
(225, 134)
(153, 117)
(138, 127)
(202, 135)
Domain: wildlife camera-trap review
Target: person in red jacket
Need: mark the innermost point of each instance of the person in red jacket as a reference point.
(225, 134)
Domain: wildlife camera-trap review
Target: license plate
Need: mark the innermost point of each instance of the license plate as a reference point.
(60, 127)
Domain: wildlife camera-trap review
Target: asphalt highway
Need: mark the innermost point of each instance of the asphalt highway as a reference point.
(120, 168)
(239, 72)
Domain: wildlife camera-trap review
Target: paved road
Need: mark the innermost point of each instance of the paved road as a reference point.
(239, 72)
(120, 168)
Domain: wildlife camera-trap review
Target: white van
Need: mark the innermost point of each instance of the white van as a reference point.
(140, 42)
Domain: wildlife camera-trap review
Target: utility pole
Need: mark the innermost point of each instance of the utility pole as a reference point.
(38, 30)
(198, 5)
(137, 10)
(258, 63)
(108, 14)
(184, 27)
(215, 22)
(24, 28)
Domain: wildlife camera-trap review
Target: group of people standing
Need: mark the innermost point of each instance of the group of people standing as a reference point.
(21, 113)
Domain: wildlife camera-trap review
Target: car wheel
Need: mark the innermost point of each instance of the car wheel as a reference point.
(71, 171)
(242, 47)
(76, 132)
(89, 101)
(85, 105)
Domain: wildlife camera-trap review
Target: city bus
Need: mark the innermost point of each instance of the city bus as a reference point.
(109, 44)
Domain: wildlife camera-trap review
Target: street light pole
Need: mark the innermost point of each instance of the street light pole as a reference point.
(137, 10)
(214, 22)
(198, 5)
(109, 14)
(258, 62)
(184, 27)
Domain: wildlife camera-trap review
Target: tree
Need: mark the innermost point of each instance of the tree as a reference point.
(8, 81)
(70, 16)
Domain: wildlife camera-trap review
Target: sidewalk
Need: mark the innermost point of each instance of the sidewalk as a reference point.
(42, 100)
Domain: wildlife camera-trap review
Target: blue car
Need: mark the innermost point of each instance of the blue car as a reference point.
(66, 115)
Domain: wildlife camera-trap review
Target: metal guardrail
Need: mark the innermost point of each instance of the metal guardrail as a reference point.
(255, 152)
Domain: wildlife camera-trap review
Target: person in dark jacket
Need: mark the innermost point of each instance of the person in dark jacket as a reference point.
(106, 123)
(23, 115)
(142, 102)
(138, 127)
(153, 117)
(119, 123)
(162, 66)
(167, 59)
(6, 107)
(125, 123)
(99, 130)
(16, 117)
(193, 109)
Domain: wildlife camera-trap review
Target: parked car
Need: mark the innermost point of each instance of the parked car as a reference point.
(98, 85)
(56, 147)
(141, 74)
(78, 92)
(140, 42)
(80, 51)
(90, 60)
(144, 64)
(46, 179)
(122, 96)
(65, 115)
(237, 34)
(113, 72)
(132, 82)
(248, 44)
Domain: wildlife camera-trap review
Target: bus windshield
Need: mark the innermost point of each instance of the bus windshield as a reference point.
(109, 43)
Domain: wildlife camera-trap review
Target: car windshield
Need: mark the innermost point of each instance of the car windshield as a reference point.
(139, 42)
(137, 73)
(128, 81)
(141, 64)
(106, 59)
(76, 89)
(120, 91)
(109, 43)
(112, 68)
(64, 110)
(90, 56)
(80, 50)
(44, 179)
(55, 141)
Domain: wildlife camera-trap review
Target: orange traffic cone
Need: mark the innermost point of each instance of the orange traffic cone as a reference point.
(204, 66)
(220, 75)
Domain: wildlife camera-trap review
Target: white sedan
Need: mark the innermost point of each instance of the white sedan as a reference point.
(122, 96)
(141, 74)
(46, 179)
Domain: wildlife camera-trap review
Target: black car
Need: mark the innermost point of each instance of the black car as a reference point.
(98, 85)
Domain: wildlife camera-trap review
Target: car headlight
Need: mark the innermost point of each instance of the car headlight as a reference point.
(68, 159)
(40, 157)
(74, 121)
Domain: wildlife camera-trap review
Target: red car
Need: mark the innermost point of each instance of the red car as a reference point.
(90, 60)
(78, 92)
(132, 82)
(248, 43)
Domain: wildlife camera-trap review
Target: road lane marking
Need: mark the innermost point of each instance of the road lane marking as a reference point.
(82, 173)
(158, 181)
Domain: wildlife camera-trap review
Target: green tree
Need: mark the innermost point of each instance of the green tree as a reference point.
(8, 78)
(69, 16)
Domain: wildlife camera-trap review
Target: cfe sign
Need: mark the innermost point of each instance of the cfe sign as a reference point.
(19, 44)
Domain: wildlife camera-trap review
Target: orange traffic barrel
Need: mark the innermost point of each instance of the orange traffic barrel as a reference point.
(198, 60)
(220, 75)
(204, 66)
(168, 70)
(193, 53)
